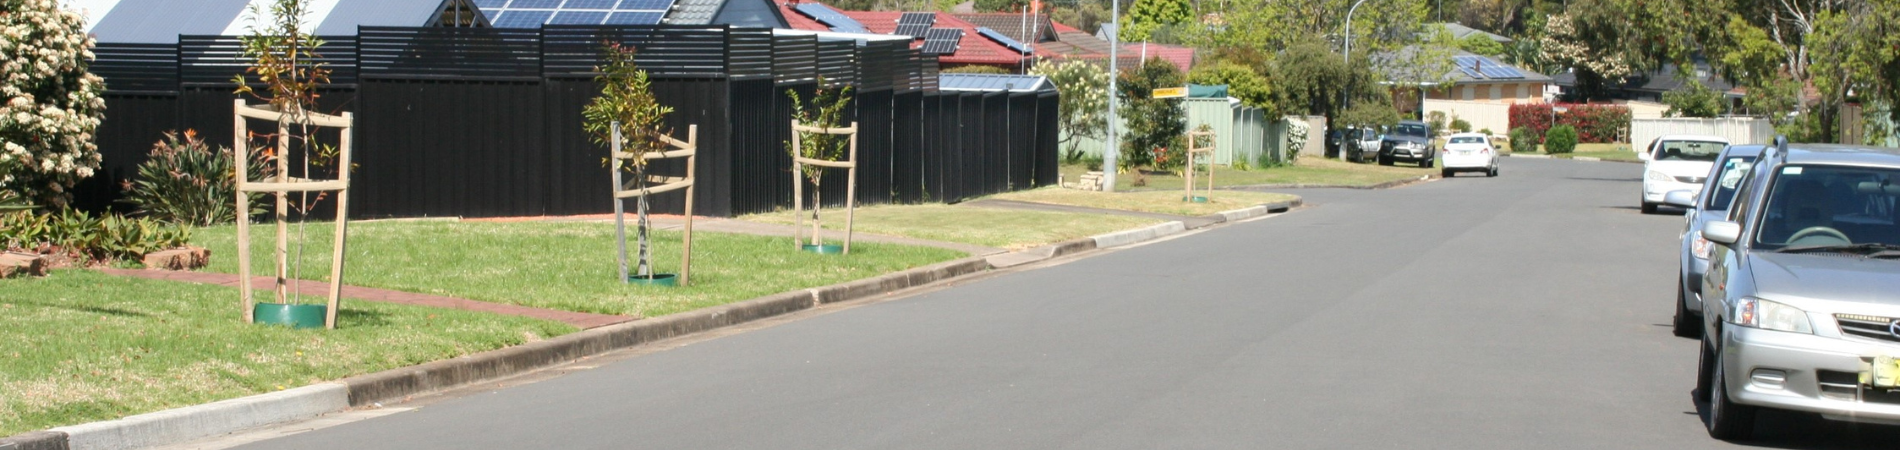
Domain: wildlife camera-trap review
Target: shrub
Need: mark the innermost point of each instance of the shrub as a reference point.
(1460, 125)
(97, 239)
(1535, 116)
(1597, 123)
(1561, 139)
(1523, 139)
(183, 181)
(1437, 120)
(49, 102)
(1486, 131)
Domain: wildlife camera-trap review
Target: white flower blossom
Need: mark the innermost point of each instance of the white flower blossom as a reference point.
(47, 139)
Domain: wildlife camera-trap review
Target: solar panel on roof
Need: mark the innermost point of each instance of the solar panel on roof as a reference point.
(578, 18)
(1005, 40)
(914, 24)
(830, 17)
(521, 18)
(634, 18)
(534, 13)
(485, 4)
(941, 41)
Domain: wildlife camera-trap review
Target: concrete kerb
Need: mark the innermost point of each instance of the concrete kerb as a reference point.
(38, 440)
(211, 419)
(201, 421)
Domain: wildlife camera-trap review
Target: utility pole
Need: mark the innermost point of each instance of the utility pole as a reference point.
(1113, 149)
(1345, 95)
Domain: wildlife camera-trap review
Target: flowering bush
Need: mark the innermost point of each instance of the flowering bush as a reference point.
(1534, 116)
(1597, 123)
(49, 103)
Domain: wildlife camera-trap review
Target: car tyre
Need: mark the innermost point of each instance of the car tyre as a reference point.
(1728, 420)
(1493, 172)
(1425, 163)
(1649, 208)
(1687, 324)
(1385, 160)
(1704, 365)
(1445, 173)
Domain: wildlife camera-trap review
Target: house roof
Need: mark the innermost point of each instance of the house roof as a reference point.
(993, 82)
(1662, 80)
(1467, 68)
(1182, 57)
(1459, 31)
(1013, 25)
(162, 21)
(974, 48)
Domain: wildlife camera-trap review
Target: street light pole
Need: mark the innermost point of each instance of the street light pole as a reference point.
(1345, 95)
(1113, 149)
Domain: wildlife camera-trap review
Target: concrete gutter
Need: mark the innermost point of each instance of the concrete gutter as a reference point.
(180, 425)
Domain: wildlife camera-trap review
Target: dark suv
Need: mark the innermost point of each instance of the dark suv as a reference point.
(1410, 141)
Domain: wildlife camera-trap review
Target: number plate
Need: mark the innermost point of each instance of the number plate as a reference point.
(1882, 372)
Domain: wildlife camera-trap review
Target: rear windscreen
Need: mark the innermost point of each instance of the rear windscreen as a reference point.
(1689, 151)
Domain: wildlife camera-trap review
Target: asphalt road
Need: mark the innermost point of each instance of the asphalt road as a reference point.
(1525, 311)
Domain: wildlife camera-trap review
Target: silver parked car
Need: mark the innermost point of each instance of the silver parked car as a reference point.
(1700, 207)
(1801, 301)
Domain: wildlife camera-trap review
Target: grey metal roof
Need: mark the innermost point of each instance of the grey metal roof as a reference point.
(161, 21)
(993, 82)
(749, 13)
(349, 14)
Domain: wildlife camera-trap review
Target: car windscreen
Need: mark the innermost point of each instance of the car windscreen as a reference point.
(1410, 129)
(1466, 140)
(1823, 205)
(1727, 180)
(1689, 151)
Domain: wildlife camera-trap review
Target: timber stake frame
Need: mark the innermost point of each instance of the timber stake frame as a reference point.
(282, 184)
(1192, 151)
(850, 164)
(641, 188)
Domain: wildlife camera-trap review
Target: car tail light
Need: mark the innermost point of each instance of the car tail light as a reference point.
(1484, 151)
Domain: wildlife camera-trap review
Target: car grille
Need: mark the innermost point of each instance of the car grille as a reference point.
(1869, 327)
(1696, 180)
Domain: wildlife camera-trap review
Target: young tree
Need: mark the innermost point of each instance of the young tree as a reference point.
(626, 98)
(1146, 17)
(49, 103)
(1082, 110)
(1696, 101)
(1242, 82)
(1153, 123)
(825, 110)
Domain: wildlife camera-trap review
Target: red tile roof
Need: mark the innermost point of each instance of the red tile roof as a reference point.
(973, 49)
(1182, 57)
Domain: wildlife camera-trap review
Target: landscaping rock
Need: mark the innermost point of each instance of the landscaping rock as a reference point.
(21, 264)
(187, 258)
(1091, 181)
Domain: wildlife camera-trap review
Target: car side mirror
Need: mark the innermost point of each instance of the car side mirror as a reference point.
(1680, 199)
(1643, 155)
(1722, 232)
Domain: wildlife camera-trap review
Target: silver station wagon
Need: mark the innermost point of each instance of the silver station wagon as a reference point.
(1801, 301)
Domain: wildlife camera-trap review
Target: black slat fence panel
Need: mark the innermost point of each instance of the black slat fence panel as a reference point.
(794, 58)
(874, 146)
(132, 69)
(750, 53)
(907, 147)
(1048, 156)
(449, 53)
(759, 166)
(663, 50)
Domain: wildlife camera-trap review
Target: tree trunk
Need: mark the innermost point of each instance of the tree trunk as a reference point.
(645, 269)
(817, 197)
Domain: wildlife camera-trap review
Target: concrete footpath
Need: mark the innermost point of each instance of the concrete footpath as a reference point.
(393, 386)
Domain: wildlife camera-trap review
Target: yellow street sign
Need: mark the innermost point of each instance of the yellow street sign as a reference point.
(1173, 92)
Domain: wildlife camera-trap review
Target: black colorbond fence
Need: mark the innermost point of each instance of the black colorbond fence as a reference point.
(486, 122)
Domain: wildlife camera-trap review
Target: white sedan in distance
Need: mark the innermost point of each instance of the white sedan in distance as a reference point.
(1468, 152)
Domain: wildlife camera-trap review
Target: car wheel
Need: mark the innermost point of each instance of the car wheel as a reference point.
(1445, 173)
(1705, 363)
(1687, 324)
(1385, 160)
(1426, 163)
(1649, 208)
(1493, 172)
(1728, 420)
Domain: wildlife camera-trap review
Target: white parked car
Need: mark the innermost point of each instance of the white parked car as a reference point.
(1468, 152)
(1677, 163)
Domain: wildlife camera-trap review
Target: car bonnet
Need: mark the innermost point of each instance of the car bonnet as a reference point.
(1826, 276)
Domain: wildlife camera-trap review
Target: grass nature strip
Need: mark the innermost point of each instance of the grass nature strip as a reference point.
(1304, 171)
(991, 227)
(564, 265)
(84, 346)
(1162, 202)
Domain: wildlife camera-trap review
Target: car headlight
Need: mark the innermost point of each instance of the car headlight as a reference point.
(1699, 247)
(1768, 315)
(1654, 175)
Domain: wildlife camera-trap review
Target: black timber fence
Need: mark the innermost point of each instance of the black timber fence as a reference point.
(487, 122)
